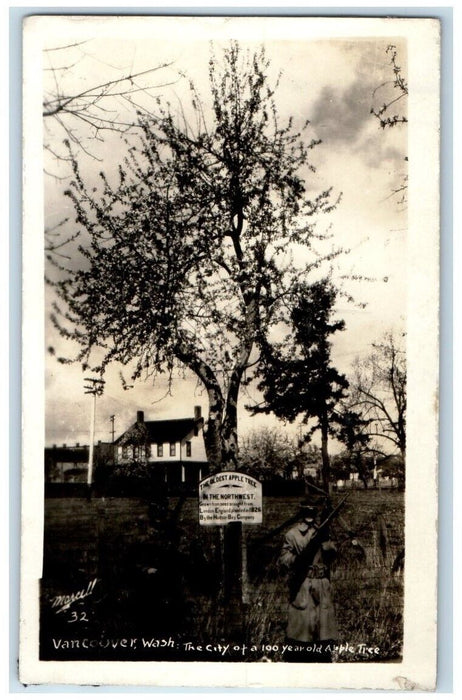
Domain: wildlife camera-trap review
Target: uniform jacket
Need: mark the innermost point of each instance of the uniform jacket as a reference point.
(311, 615)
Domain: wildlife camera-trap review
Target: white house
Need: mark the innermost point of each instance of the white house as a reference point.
(174, 448)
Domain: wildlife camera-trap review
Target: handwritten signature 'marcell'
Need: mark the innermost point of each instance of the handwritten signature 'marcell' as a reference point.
(63, 602)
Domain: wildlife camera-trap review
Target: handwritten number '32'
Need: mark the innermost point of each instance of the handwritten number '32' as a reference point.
(78, 617)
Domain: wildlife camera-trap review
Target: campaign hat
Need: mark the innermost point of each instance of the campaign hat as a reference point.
(308, 509)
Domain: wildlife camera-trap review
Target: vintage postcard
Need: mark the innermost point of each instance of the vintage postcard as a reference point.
(231, 302)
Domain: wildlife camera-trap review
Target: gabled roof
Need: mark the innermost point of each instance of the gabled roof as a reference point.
(171, 430)
(159, 431)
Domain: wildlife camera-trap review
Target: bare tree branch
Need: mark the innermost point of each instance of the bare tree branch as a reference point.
(387, 119)
(378, 392)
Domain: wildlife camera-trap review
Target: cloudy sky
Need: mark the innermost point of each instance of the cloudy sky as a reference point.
(328, 77)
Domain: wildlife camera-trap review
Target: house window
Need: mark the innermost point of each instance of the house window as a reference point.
(136, 451)
(172, 449)
(188, 449)
(160, 450)
(125, 452)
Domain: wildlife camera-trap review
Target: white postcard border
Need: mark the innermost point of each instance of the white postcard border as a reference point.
(418, 667)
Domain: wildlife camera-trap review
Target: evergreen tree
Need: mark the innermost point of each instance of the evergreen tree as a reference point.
(296, 375)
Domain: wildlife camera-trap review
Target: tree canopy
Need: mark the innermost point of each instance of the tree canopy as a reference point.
(188, 258)
(268, 453)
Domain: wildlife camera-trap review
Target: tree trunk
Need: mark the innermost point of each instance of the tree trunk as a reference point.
(221, 448)
(229, 444)
(212, 433)
(220, 436)
(325, 470)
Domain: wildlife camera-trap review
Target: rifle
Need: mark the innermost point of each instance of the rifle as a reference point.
(305, 558)
(342, 522)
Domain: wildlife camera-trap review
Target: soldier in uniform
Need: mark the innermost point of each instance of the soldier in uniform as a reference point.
(306, 555)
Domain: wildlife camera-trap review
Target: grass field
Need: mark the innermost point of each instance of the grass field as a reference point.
(159, 586)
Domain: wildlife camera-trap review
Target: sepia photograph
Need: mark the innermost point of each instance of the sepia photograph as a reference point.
(231, 343)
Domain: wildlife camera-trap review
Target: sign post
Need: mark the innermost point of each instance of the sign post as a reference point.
(230, 499)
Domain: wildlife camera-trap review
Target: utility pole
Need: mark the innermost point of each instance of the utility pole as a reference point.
(112, 418)
(94, 387)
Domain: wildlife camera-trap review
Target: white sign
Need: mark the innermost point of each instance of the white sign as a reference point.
(230, 497)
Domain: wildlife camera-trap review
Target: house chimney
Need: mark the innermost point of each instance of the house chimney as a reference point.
(77, 444)
(64, 444)
(197, 412)
(140, 416)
